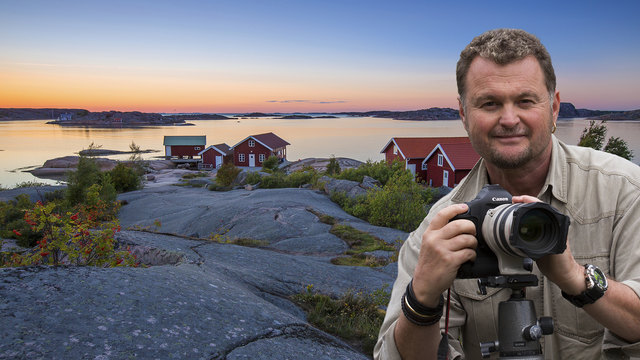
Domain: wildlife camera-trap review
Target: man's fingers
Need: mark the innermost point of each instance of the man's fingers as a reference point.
(445, 215)
(525, 199)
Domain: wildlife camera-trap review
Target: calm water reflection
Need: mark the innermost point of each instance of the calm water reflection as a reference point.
(28, 144)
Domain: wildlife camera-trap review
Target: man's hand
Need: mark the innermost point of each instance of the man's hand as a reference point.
(445, 246)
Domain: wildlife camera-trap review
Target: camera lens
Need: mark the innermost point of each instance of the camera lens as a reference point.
(524, 230)
(534, 225)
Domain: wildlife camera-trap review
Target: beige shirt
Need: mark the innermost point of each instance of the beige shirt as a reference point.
(601, 194)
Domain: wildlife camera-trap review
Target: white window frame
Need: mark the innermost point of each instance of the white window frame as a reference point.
(395, 150)
(252, 143)
(261, 158)
(424, 166)
(197, 148)
(241, 158)
(440, 160)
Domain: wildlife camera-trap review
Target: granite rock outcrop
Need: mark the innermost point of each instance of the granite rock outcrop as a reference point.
(209, 300)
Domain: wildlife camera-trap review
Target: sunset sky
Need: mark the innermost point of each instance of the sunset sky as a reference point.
(286, 56)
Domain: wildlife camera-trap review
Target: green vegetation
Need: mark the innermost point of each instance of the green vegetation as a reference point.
(379, 170)
(359, 242)
(125, 178)
(333, 168)
(271, 164)
(194, 175)
(75, 226)
(355, 317)
(593, 136)
(88, 174)
(227, 173)
(400, 204)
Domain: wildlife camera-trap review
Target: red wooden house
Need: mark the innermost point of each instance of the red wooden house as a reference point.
(448, 164)
(413, 150)
(255, 149)
(213, 156)
(183, 147)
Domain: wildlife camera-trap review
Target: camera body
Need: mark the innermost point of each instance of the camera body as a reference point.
(510, 234)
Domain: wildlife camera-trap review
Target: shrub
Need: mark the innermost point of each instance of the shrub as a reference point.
(78, 238)
(271, 164)
(400, 204)
(380, 170)
(253, 177)
(227, 173)
(125, 178)
(13, 223)
(299, 178)
(88, 174)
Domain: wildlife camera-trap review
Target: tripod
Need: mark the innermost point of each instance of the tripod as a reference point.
(519, 330)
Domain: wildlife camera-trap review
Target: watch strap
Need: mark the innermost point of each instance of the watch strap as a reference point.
(589, 296)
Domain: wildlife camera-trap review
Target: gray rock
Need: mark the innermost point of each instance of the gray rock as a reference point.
(339, 185)
(370, 183)
(35, 193)
(209, 300)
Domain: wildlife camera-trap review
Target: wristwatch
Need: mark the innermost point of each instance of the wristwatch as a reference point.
(597, 284)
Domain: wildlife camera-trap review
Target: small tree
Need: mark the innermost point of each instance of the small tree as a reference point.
(618, 146)
(333, 168)
(594, 135)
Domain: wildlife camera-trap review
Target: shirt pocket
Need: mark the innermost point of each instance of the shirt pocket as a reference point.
(480, 321)
(571, 321)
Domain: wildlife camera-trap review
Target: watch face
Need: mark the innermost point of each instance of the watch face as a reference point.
(599, 278)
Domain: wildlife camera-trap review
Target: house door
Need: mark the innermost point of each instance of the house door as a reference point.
(412, 168)
(445, 178)
(218, 161)
(252, 160)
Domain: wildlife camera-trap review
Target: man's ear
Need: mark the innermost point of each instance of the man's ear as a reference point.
(556, 106)
(462, 114)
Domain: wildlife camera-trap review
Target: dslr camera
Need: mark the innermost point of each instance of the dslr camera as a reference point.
(510, 235)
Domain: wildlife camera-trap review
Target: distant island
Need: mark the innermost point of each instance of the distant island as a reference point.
(86, 118)
(567, 111)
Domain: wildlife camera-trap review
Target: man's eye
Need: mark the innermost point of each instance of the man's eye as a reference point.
(489, 104)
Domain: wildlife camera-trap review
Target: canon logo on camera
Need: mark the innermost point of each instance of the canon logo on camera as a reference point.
(499, 199)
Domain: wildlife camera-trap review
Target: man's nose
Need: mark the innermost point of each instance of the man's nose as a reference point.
(509, 116)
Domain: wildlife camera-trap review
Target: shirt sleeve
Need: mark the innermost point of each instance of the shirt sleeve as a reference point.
(385, 348)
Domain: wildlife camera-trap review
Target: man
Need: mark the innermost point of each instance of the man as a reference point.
(509, 106)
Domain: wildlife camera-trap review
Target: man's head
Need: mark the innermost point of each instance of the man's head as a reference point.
(505, 46)
(508, 102)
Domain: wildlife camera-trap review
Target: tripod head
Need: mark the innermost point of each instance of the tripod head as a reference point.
(519, 331)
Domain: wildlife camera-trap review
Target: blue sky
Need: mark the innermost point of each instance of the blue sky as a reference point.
(226, 56)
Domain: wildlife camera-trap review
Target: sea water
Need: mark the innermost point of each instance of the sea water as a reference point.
(28, 144)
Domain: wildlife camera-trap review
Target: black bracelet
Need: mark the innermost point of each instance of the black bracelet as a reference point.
(417, 313)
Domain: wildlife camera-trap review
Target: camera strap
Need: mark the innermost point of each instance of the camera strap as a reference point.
(443, 348)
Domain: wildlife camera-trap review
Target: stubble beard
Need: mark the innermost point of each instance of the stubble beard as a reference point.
(514, 159)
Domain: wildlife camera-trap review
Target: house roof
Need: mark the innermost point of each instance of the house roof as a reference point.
(223, 149)
(270, 140)
(185, 140)
(460, 156)
(420, 147)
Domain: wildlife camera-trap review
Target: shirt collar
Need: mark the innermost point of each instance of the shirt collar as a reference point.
(557, 175)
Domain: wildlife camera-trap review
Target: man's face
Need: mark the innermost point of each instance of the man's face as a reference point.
(507, 112)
